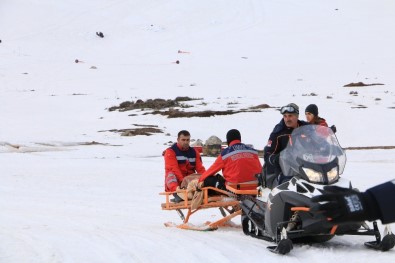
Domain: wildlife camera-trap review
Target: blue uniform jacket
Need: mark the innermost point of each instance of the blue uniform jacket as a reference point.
(384, 194)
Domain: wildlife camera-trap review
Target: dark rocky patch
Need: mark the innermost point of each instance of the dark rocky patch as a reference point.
(145, 125)
(359, 107)
(178, 99)
(171, 109)
(159, 107)
(370, 148)
(176, 113)
(261, 106)
(155, 104)
(147, 131)
(361, 84)
(98, 143)
(311, 94)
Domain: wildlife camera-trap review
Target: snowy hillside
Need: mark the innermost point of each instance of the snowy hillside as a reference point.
(73, 190)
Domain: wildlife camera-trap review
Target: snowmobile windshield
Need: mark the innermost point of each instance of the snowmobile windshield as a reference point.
(312, 145)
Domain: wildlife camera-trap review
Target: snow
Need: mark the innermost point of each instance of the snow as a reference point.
(63, 201)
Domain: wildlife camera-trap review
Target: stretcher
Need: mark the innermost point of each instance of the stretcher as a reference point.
(226, 201)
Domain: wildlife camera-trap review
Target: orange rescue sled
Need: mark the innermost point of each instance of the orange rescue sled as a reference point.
(226, 201)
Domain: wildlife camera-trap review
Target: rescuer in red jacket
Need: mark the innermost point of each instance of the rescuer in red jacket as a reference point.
(239, 163)
(181, 160)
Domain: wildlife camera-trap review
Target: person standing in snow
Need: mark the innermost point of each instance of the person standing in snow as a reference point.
(343, 205)
(277, 142)
(239, 163)
(181, 160)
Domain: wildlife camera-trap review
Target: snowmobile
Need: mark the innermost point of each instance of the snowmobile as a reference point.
(312, 159)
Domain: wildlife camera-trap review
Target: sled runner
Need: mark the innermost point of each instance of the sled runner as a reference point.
(226, 201)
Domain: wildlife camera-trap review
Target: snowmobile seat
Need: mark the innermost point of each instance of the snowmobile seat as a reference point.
(246, 188)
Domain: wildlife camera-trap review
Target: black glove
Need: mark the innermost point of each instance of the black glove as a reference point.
(345, 205)
(333, 128)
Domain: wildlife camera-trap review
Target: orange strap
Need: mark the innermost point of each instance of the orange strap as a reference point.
(300, 208)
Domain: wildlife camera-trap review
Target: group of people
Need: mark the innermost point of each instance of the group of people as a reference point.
(240, 163)
(279, 138)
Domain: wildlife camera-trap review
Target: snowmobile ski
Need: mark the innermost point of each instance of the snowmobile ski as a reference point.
(385, 244)
(283, 247)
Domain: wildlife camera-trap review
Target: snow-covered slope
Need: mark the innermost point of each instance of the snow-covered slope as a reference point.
(64, 201)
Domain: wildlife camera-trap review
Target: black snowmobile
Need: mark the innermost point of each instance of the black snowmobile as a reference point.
(312, 159)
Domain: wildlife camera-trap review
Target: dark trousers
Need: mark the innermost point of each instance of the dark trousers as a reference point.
(216, 181)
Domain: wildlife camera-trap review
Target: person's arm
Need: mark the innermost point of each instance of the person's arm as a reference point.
(347, 205)
(323, 122)
(270, 147)
(214, 168)
(272, 150)
(384, 195)
(172, 164)
(199, 164)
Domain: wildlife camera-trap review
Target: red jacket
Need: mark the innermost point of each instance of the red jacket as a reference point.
(183, 163)
(239, 163)
(321, 121)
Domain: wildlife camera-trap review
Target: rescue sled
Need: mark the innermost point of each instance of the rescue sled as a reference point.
(228, 202)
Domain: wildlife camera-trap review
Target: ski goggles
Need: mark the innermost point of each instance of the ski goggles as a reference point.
(288, 109)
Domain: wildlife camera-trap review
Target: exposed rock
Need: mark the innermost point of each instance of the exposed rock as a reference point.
(137, 131)
(361, 84)
(151, 104)
(213, 140)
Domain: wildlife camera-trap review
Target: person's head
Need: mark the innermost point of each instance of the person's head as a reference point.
(232, 135)
(311, 113)
(183, 139)
(290, 114)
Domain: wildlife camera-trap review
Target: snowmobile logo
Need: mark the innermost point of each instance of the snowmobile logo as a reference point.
(353, 203)
(269, 143)
(308, 157)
